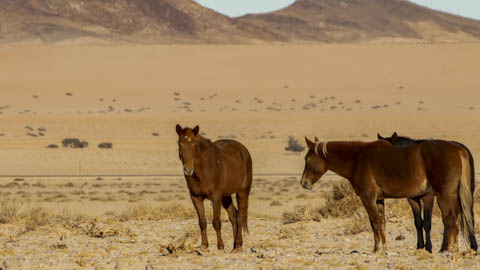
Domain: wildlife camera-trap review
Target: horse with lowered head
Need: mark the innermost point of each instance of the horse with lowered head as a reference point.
(378, 170)
(215, 171)
(428, 199)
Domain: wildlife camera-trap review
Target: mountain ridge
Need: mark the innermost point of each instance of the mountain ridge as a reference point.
(185, 21)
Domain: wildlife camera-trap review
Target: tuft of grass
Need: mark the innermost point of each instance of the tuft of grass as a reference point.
(342, 202)
(298, 214)
(359, 223)
(8, 210)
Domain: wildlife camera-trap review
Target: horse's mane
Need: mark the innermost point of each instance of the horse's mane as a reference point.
(412, 139)
(204, 143)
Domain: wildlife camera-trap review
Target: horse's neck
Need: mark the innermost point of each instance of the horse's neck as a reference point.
(341, 157)
(206, 147)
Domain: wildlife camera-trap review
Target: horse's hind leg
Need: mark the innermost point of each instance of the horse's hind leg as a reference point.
(242, 201)
(450, 216)
(417, 216)
(428, 200)
(232, 215)
(381, 212)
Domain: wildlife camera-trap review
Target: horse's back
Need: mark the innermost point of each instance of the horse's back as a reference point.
(232, 147)
(443, 151)
(235, 160)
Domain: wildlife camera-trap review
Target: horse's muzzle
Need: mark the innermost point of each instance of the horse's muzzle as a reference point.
(306, 184)
(188, 171)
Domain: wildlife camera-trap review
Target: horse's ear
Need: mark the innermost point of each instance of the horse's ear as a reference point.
(317, 140)
(380, 137)
(394, 137)
(310, 144)
(195, 130)
(179, 129)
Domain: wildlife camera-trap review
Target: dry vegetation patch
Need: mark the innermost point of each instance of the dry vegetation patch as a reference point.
(342, 202)
(145, 212)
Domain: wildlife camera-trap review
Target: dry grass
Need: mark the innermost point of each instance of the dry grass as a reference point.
(359, 223)
(15, 211)
(8, 210)
(34, 216)
(145, 212)
(298, 214)
(342, 202)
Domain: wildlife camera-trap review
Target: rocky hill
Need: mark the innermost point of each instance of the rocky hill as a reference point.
(185, 21)
(138, 21)
(364, 20)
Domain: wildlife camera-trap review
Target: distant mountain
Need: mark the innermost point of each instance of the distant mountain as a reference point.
(184, 21)
(364, 20)
(137, 21)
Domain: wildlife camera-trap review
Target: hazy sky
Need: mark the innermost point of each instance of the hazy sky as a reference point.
(466, 8)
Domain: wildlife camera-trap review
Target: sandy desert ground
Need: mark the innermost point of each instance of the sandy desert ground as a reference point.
(128, 207)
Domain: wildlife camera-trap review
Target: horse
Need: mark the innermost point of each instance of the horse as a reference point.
(415, 204)
(215, 171)
(378, 170)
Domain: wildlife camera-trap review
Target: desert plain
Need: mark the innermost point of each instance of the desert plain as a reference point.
(128, 207)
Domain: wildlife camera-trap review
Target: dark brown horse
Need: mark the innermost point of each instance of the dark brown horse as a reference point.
(428, 199)
(379, 170)
(215, 171)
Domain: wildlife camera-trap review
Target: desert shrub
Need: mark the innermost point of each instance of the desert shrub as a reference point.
(276, 203)
(105, 145)
(52, 146)
(74, 143)
(342, 202)
(294, 146)
(298, 214)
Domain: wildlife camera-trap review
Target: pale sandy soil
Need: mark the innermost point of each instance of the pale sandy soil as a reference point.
(149, 223)
(259, 95)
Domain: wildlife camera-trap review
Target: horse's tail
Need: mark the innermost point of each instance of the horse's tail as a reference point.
(246, 184)
(466, 202)
(248, 178)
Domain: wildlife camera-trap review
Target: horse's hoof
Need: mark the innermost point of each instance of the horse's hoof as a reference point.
(204, 248)
(237, 250)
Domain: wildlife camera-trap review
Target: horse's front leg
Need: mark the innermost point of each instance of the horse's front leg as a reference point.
(370, 204)
(202, 221)
(217, 223)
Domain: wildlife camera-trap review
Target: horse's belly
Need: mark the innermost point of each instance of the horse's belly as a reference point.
(408, 189)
